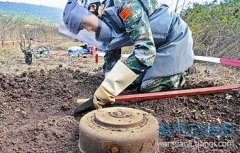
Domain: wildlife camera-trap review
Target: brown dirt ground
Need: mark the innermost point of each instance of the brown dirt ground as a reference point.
(37, 102)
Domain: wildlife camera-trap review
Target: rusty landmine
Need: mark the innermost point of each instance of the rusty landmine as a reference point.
(36, 112)
(129, 130)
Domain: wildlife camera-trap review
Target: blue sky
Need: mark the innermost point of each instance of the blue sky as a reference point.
(61, 3)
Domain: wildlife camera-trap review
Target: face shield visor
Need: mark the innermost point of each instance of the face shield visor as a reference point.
(81, 24)
(84, 36)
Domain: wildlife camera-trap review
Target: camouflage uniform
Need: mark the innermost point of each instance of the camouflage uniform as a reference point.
(110, 59)
(163, 83)
(137, 26)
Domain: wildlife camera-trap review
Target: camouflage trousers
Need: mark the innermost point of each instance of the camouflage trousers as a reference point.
(163, 83)
(157, 84)
(110, 59)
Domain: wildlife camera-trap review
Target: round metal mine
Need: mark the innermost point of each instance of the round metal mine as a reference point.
(118, 130)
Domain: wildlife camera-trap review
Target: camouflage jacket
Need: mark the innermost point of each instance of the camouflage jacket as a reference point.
(162, 41)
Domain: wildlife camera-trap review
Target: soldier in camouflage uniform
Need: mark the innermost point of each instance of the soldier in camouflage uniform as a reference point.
(162, 45)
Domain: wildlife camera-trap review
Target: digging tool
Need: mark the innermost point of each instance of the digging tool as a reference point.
(85, 105)
(225, 61)
(88, 105)
(176, 93)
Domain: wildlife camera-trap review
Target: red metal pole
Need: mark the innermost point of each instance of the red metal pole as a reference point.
(96, 56)
(176, 93)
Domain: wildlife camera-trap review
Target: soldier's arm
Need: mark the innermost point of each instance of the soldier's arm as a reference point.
(138, 28)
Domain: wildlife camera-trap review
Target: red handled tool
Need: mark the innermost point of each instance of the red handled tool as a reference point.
(175, 93)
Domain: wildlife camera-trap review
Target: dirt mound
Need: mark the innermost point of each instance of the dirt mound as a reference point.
(36, 110)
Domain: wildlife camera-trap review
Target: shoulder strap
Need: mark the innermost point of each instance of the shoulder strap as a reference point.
(144, 7)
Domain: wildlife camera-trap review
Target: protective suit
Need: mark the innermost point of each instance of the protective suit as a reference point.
(162, 45)
(171, 35)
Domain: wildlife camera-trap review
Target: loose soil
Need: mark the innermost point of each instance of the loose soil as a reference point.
(36, 105)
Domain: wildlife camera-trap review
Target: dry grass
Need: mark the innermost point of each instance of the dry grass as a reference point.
(216, 73)
(12, 59)
(12, 62)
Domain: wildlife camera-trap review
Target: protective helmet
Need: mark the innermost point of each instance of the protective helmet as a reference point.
(73, 16)
(86, 3)
(69, 6)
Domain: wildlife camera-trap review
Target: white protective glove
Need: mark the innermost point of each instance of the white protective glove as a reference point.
(118, 79)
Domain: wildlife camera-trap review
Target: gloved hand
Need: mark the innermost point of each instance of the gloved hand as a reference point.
(119, 78)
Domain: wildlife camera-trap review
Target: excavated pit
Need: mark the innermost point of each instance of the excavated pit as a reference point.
(36, 111)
